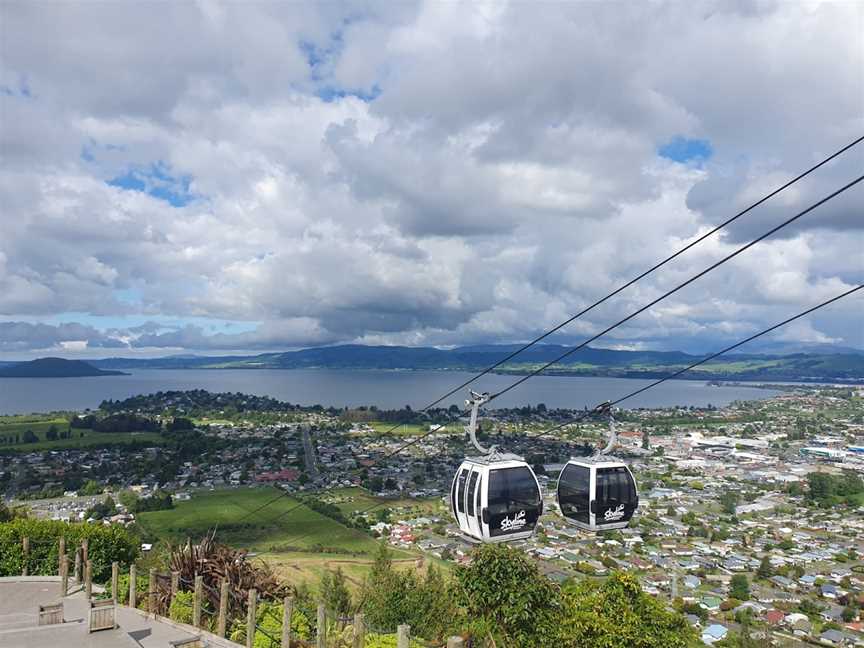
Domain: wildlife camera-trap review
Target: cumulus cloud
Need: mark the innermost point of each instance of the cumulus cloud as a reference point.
(421, 173)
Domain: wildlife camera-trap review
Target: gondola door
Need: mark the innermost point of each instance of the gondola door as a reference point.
(472, 507)
(460, 484)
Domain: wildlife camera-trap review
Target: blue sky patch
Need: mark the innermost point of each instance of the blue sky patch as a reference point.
(157, 181)
(686, 150)
(330, 94)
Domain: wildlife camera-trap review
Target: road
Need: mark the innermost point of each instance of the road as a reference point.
(311, 459)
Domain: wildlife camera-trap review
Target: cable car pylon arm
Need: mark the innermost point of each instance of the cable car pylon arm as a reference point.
(474, 402)
(606, 408)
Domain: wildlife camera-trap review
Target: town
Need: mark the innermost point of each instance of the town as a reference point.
(751, 516)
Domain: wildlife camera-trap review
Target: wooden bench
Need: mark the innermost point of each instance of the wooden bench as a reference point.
(103, 615)
(51, 614)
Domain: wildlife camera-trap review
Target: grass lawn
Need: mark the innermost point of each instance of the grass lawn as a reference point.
(279, 528)
(406, 429)
(308, 568)
(12, 425)
(39, 425)
(351, 500)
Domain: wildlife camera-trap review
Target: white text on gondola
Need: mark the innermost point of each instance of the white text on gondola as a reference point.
(614, 514)
(517, 522)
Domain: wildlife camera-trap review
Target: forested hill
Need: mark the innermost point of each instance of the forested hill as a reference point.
(53, 368)
(846, 365)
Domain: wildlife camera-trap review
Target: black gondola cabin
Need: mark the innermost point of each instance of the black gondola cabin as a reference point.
(597, 494)
(496, 498)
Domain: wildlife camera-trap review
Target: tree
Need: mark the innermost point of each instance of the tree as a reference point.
(506, 593)
(90, 487)
(334, 592)
(849, 614)
(390, 598)
(30, 437)
(729, 501)
(618, 613)
(765, 569)
(51, 433)
(739, 587)
(646, 443)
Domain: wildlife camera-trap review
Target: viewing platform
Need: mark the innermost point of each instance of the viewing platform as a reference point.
(22, 598)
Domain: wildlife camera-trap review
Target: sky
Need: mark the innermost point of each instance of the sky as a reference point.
(205, 177)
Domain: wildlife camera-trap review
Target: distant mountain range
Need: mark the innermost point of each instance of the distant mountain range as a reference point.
(53, 368)
(821, 364)
(827, 364)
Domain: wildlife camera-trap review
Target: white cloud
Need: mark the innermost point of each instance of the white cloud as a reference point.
(504, 175)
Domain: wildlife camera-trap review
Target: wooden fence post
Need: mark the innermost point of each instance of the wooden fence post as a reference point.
(151, 592)
(175, 583)
(115, 582)
(88, 579)
(287, 613)
(223, 608)
(321, 634)
(25, 545)
(78, 565)
(85, 550)
(359, 631)
(133, 585)
(455, 642)
(61, 553)
(64, 575)
(196, 602)
(251, 617)
(403, 636)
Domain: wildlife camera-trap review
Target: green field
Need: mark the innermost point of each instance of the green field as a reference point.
(279, 528)
(282, 534)
(354, 500)
(410, 429)
(12, 425)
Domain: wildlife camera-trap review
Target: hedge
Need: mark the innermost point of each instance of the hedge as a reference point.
(106, 544)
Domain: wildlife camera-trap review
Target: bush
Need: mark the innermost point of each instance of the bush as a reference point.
(141, 588)
(504, 588)
(269, 620)
(181, 607)
(618, 613)
(106, 545)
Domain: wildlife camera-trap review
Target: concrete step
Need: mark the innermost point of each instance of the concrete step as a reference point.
(17, 620)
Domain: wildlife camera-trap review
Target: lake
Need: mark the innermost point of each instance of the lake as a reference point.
(386, 389)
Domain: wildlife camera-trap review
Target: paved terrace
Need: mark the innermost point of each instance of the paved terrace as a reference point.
(20, 598)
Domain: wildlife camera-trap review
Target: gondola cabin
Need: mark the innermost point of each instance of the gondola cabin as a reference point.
(496, 498)
(597, 494)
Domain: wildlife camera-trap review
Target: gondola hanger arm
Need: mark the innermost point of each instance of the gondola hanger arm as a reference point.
(474, 402)
(606, 408)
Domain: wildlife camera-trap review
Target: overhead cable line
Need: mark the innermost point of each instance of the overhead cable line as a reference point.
(606, 406)
(684, 284)
(641, 276)
(652, 303)
(679, 372)
(617, 324)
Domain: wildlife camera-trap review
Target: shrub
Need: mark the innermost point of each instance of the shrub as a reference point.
(141, 587)
(181, 607)
(106, 545)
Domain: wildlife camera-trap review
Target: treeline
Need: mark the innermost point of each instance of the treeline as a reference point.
(116, 423)
(828, 490)
(53, 433)
(501, 598)
(333, 512)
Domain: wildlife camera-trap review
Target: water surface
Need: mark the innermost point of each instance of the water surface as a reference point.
(339, 388)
